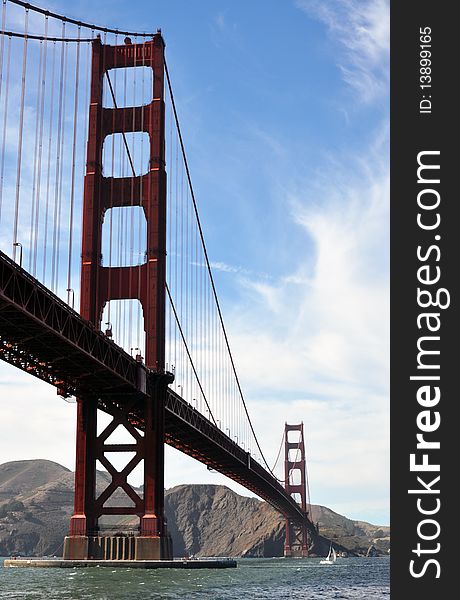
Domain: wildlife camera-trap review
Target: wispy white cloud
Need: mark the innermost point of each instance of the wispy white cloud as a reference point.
(220, 21)
(268, 140)
(226, 268)
(244, 273)
(335, 316)
(362, 28)
(314, 344)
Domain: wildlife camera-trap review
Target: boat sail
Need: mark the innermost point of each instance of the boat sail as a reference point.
(331, 557)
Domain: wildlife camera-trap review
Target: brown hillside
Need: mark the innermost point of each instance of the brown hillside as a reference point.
(36, 501)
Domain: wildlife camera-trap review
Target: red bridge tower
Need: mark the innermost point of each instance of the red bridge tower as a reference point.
(146, 283)
(296, 543)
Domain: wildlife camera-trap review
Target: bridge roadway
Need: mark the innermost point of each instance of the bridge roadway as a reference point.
(43, 336)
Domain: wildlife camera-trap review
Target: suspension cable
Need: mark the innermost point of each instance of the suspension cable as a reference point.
(20, 142)
(308, 483)
(58, 167)
(72, 184)
(40, 149)
(208, 266)
(279, 451)
(2, 47)
(54, 15)
(5, 121)
(308, 489)
(43, 38)
(188, 352)
(48, 172)
(167, 288)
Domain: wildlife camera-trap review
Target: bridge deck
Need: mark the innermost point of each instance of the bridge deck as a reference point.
(42, 335)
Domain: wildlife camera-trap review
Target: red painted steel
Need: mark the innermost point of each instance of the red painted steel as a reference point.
(145, 282)
(296, 541)
(43, 336)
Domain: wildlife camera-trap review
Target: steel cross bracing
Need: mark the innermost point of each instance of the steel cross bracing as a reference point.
(42, 335)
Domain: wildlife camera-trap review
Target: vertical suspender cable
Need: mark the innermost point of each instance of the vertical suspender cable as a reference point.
(84, 129)
(131, 219)
(61, 170)
(56, 212)
(208, 266)
(5, 121)
(123, 218)
(2, 54)
(211, 416)
(113, 91)
(35, 174)
(182, 253)
(187, 292)
(2, 46)
(48, 171)
(40, 147)
(176, 247)
(141, 199)
(72, 184)
(196, 297)
(20, 134)
(169, 221)
(307, 481)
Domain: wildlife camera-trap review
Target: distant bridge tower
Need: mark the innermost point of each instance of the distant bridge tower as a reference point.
(296, 543)
(99, 285)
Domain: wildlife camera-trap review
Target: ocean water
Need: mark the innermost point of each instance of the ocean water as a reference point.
(253, 579)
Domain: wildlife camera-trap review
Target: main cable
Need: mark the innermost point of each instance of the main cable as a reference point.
(167, 288)
(54, 15)
(208, 265)
(188, 352)
(279, 451)
(43, 38)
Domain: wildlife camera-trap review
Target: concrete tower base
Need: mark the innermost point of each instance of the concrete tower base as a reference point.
(82, 547)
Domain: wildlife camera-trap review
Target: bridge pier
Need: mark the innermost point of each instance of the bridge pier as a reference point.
(296, 540)
(83, 519)
(153, 541)
(85, 547)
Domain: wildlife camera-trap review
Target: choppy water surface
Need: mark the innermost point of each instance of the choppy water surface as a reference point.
(349, 578)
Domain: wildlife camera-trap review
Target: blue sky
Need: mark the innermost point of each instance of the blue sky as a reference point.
(284, 107)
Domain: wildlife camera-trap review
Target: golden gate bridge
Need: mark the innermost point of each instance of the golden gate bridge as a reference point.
(97, 210)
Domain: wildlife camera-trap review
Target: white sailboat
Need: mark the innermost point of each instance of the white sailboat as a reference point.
(331, 557)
